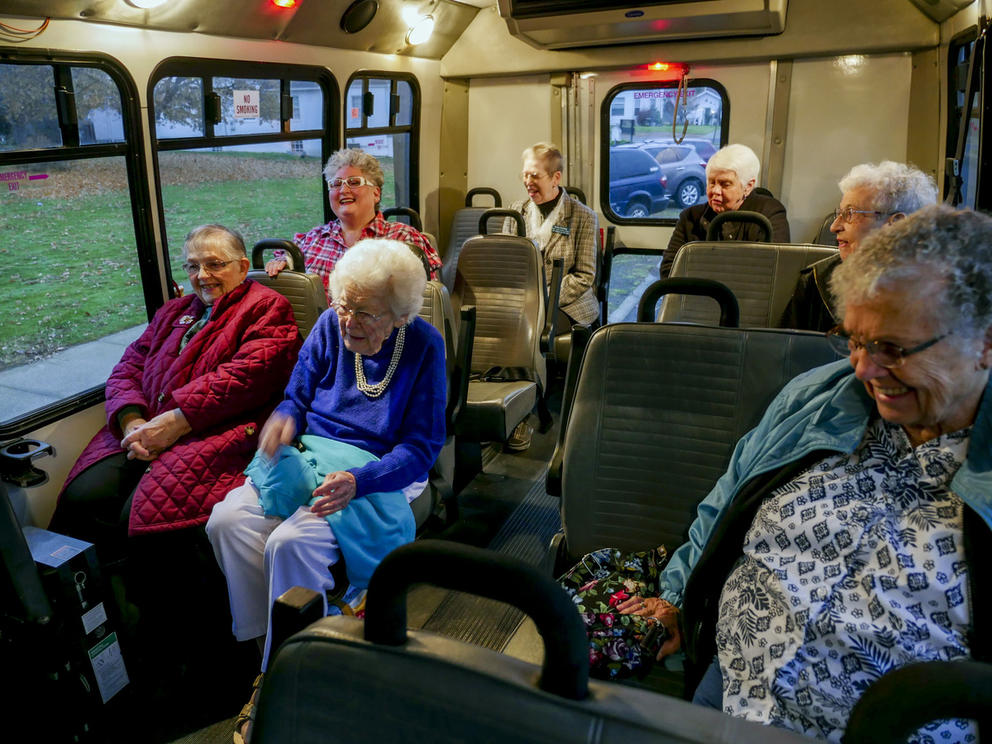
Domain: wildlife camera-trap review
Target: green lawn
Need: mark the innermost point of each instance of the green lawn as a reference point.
(69, 256)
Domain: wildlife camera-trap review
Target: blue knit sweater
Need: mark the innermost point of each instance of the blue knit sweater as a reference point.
(404, 427)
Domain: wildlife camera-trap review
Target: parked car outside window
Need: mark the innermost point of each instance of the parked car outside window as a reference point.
(683, 170)
(637, 187)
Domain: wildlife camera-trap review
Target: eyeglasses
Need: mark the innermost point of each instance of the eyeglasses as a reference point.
(353, 182)
(883, 353)
(533, 176)
(847, 214)
(362, 316)
(211, 267)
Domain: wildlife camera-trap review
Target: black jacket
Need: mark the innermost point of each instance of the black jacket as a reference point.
(812, 307)
(694, 221)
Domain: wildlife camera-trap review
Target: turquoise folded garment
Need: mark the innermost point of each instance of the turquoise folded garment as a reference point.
(367, 529)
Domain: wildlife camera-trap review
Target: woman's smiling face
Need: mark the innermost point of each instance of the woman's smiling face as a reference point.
(934, 391)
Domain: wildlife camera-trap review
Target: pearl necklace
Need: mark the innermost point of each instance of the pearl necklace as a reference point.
(374, 391)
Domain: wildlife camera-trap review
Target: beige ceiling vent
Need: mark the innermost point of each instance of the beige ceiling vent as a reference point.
(561, 24)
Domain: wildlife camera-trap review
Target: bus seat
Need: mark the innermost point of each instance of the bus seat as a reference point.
(437, 311)
(464, 225)
(503, 277)
(304, 291)
(377, 681)
(761, 275)
(823, 235)
(656, 412)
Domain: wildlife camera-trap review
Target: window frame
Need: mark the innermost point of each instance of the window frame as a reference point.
(954, 122)
(604, 143)
(206, 69)
(131, 149)
(413, 128)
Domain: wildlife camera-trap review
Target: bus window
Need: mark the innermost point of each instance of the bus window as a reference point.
(79, 275)
(241, 144)
(959, 56)
(382, 117)
(647, 177)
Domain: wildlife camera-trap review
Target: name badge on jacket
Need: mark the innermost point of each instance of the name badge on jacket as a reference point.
(561, 229)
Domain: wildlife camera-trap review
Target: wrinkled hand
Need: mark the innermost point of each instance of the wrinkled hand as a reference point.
(334, 493)
(273, 267)
(280, 429)
(149, 439)
(661, 610)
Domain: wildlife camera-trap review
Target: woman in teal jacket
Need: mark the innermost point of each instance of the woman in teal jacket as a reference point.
(844, 538)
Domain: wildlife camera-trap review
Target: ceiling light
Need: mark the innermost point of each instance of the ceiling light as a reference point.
(145, 4)
(420, 31)
(284, 3)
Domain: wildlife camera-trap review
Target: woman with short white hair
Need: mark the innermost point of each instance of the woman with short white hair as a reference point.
(872, 196)
(346, 451)
(731, 175)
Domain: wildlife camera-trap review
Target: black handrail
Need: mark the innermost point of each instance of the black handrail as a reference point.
(463, 568)
(497, 201)
(407, 212)
(730, 313)
(277, 244)
(753, 218)
(507, 213)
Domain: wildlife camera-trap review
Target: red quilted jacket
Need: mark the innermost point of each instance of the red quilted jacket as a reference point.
(226, 381)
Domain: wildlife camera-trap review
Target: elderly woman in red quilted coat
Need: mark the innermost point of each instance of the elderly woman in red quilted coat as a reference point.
(184, 406)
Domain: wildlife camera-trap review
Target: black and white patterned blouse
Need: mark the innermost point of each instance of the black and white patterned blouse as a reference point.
(851, 570)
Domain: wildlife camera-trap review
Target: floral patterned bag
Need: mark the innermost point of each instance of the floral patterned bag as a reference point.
(619, 645)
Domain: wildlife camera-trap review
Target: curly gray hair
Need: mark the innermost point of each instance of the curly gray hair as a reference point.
(897, 187)
(955, 245)
(382, 268)
(367, 164)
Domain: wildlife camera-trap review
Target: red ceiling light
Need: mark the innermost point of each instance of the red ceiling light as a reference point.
(284, 3)
(660, 66)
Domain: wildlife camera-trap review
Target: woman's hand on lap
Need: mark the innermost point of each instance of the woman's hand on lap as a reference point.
(661, 610)
(280, 429)
(334, 493)
(149, 439)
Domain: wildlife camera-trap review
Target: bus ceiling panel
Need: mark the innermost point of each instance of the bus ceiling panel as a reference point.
(562, 24)
(315, 22)
(941, 10)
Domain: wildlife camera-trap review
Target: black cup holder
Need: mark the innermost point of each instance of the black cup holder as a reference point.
(16, 462)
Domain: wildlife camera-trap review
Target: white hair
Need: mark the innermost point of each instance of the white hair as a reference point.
(382, 268)
(227, 241)
(897, 187)
(737, 158)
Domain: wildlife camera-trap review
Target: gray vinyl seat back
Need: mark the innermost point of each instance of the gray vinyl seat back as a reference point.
(437, 311)
(327, 683)
(656, 414)
(304, 291)
(502, 275)
(761, 275)
(464, 225)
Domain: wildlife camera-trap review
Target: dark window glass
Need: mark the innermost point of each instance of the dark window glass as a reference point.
(178, 106)
(98, 107)
(389, 131)
(639, 120)
(28, 117)
(247, 106)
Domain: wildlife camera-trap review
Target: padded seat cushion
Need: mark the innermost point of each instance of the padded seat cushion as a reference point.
(493, 409)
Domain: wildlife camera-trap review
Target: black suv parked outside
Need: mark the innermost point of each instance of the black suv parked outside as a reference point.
(637, 187)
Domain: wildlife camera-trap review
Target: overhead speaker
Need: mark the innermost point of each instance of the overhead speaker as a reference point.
(358, 15)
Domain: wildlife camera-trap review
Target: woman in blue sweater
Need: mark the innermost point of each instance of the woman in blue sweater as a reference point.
(346, 451)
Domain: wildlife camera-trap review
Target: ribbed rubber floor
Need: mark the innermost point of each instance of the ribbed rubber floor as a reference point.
(525, 535)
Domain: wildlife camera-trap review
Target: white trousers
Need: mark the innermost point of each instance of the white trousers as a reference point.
(262, 557)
